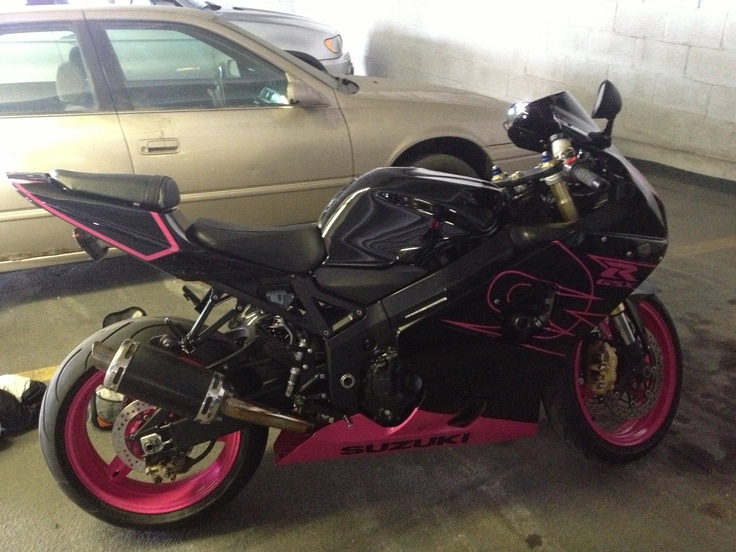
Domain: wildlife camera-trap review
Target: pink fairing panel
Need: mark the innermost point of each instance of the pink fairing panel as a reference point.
(422, 430)
(166, 235)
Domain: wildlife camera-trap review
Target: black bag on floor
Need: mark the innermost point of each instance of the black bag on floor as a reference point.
(19, 413)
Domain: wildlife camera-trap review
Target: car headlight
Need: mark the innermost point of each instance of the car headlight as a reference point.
(334, 44)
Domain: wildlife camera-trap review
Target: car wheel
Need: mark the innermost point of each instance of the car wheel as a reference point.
(444, 162)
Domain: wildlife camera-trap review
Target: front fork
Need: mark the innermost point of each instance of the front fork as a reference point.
(614, 367)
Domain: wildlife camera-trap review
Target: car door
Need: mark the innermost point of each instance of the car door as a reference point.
(213, 114)
(55, 113)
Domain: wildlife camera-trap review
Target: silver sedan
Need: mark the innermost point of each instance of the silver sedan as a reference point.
(250, 133)
(316, 43)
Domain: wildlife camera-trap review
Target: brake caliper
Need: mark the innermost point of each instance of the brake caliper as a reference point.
(601, 362)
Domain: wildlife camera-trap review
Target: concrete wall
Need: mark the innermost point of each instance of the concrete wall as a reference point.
(673, 60)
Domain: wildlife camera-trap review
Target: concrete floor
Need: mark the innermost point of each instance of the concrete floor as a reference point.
(528, 495)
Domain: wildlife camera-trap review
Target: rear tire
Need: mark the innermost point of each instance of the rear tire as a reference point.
(84, 462)
(590, 423)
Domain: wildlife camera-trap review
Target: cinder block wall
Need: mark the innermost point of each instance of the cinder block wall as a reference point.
(673, 60)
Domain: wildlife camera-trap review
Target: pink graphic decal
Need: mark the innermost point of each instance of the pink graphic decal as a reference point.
(574, 304)
(422, 430)
(173, 247)
(619, 273)
(489, 330)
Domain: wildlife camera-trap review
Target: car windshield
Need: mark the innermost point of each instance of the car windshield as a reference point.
(205, 5)
(201, 4)
(321, 75)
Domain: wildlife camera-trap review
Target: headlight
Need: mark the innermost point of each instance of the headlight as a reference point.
(334, 44)
(514, 111)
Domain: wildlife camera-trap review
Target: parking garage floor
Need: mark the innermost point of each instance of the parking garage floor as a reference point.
(527, 495)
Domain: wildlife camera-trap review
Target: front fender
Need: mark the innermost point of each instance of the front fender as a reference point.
(646, 288)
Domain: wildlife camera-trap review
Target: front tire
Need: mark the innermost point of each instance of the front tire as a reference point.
(621, 427)
(84, 462)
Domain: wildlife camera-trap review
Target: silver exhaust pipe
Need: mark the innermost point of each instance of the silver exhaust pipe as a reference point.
(163, 379)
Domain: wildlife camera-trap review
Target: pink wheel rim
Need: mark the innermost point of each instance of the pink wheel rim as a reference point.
(108, 481)
(636, 431)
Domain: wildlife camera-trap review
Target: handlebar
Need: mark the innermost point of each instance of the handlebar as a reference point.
(580, 173)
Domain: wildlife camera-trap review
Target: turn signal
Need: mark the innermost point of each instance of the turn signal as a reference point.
(334, 44)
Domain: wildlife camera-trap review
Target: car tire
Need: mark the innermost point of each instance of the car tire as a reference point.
(443, 162)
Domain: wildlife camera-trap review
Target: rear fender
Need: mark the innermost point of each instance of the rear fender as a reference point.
(132, 228)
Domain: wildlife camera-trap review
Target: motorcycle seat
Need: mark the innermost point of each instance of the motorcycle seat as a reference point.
(149, 192)
(292, 249)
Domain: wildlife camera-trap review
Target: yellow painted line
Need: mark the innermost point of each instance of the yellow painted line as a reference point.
(700, 248)
(39, 374)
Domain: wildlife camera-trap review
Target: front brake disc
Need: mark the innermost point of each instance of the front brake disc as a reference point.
(639, 396)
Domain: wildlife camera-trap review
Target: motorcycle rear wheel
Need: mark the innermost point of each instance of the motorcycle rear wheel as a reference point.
(83, 460)
(598, 425)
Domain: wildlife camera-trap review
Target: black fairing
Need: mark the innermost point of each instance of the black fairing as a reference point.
(408, 216)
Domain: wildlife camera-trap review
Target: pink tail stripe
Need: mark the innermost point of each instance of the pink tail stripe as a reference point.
(173, 247)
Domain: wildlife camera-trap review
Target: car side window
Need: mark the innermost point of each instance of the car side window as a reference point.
(43, 72)
(179, 67)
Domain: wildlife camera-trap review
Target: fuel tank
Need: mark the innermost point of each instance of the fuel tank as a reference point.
(408, 216)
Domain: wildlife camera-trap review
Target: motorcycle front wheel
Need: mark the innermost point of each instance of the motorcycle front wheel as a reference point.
(629, 421)
(91, 471)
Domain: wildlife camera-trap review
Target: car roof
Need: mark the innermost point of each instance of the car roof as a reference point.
(128, 12)
(61, 12)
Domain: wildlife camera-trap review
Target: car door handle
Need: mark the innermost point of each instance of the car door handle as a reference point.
(159, 146)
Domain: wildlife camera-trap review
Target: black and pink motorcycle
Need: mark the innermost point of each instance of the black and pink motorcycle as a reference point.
(422, 311)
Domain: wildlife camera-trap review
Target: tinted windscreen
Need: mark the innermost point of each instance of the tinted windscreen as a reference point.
(570, 113)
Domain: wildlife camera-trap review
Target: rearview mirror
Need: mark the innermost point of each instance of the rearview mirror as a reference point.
(607, 105)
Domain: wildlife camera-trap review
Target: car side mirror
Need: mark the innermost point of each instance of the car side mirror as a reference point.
(607, 105)
(303, 95)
